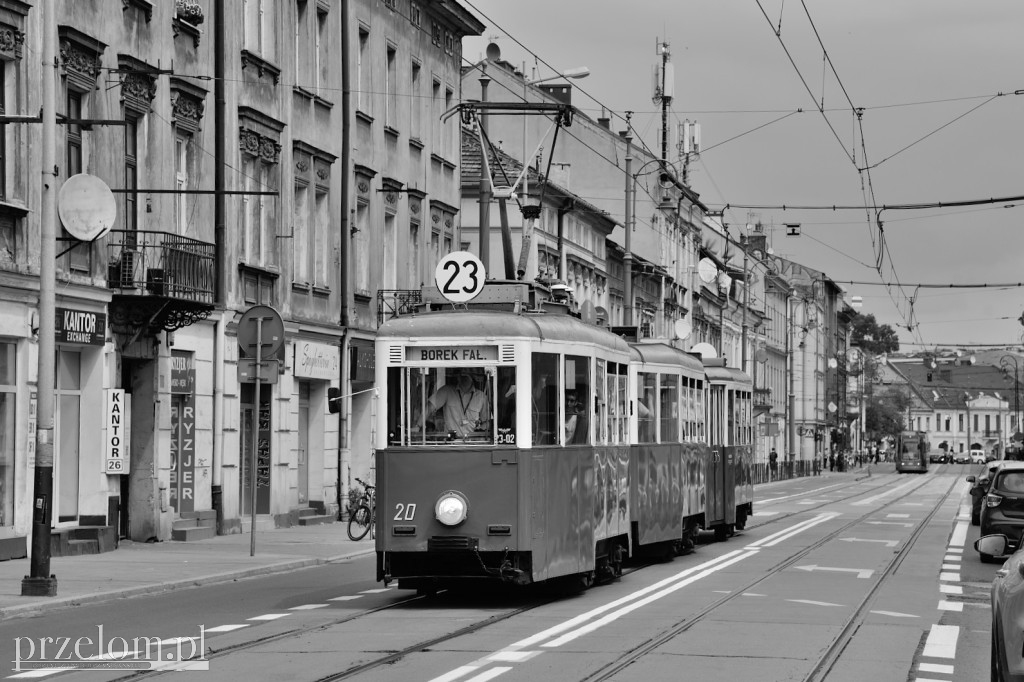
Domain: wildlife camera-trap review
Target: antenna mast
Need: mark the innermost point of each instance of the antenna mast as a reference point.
(664, 86)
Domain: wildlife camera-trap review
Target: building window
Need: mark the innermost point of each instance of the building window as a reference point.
(361, 250)
(323, 250)
(437, 105)
(415, 14)
(257, 27)
(364, 83)
(414, 256)
(258, 287)
(3, 130)
(322, 55)
(8, 400)
(79, 258)
(313, 244)
(391, 88)
(131, 173)
(300, 234)
(416, 103)
(302, 42)
(260, 156)
(183, 159)
(448, 139)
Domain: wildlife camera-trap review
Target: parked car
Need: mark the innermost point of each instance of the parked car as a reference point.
(940, 457)
(1002, 512)
(977, 456)
(962, 458)
(1007, 597)
(978, 489)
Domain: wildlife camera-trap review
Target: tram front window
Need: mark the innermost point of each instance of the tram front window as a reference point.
(452, 405)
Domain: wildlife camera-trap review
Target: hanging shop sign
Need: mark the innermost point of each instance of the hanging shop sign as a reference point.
(183, 373)
(317, 361)
(80, 326)
(116, 445)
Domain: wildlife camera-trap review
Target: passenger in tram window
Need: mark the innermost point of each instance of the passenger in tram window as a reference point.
(570, 415)
(461, 405)
(577, 422)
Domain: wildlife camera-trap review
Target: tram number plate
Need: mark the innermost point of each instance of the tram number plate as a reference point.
(460, 276)
(405, 512)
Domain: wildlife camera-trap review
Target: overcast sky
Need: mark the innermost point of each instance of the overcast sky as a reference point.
(917, 68)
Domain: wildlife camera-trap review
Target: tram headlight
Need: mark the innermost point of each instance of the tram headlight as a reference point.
(451, 508)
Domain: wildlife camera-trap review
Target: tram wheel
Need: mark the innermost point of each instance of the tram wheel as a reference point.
(721, 533)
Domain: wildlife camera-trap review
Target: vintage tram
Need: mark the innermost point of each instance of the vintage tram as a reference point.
(518, 443)
(912, 449)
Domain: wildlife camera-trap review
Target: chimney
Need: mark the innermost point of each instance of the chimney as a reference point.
(605, 123)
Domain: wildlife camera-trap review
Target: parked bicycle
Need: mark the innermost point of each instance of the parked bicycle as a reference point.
(363, 513)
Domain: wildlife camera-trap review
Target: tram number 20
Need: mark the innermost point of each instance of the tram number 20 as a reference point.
(405, 512)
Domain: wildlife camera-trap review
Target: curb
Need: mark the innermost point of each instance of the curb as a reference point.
(35, 608)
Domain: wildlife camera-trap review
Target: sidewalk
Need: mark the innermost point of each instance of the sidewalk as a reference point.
(144, 568)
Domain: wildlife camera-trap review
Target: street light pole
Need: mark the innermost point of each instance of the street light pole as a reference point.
(1004, 361)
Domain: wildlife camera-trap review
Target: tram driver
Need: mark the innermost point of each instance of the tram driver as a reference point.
(463, 406)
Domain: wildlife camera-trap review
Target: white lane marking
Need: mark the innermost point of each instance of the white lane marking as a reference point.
(897, 516)
(950, 589)
(673, 582)
(952, 557)
(489, 674)
(862, 573)
(951, 567)
(874, 498)
(377, 590)
(513, 656)
(753, 594)
(309, 607)
(955, 550)
(813, 603)
(42, 672)
(228, 628)
(346, 598)
(629, 608)
(951, 577)
(945, 605)
(935, 668)
(891, 523)
(959, 535)
(911, 504)
(789, 497)
(895, 614)
(787, 533)
(760, 513)
(888, 543)
(269, 616)
(941, 642)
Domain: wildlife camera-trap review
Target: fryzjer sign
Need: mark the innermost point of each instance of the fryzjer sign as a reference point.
(80, 326)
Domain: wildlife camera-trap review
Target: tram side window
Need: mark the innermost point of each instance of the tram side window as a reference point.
(669, 408)
(505, 414)
(698, 415)
(396, 425)
(618, 401)
(601, 401)
(730, 413)
(579, 401)
(646, 406)
(545, 391)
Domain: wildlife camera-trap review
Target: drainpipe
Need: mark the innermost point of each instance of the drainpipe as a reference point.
(347, 209)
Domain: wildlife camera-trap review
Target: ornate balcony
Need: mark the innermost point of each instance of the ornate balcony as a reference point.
(395, 302)
(164, 281)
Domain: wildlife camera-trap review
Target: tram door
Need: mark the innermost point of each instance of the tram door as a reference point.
(721, 495)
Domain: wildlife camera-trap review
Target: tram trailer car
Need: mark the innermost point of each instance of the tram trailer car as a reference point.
(506, 492)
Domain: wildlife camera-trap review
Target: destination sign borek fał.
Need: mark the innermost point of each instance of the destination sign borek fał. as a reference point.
(452, 354)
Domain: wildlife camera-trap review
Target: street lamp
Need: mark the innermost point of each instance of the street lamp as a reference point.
(578, 72)
(1004, 363)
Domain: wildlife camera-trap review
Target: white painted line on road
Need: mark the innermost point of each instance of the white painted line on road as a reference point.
(928, 679)
(875, 498)
(891, 523)
(228, 628)
(955, 550)
(270, 616)
(377, 590)
(911, 504)
(888, 543)
(950, 589)
(809, 492)
(897, 516)
(345, 598)
(936, 668)
(760, 513)
(951, 567)
(959, 535)
(813, 603)
(951, 577)
(787, 533)
(457, 673)
(951, 605)
(895, 614)
(941, 642)
(489, 674)
(952, 557)
(309, 607)
(42, 672)
(862, 573)
(513, 656)
(753, 594)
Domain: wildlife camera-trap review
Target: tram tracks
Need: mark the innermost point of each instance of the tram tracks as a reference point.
(831, 654)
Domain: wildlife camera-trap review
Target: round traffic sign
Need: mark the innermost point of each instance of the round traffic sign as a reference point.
(264, 322)
(86, 207)
(459, 276)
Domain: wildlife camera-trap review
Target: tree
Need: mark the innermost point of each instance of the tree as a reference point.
(886, 413)
(874, 338)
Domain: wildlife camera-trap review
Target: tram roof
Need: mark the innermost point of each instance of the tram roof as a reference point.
(664, 354)
(727, 374)
(482, 324)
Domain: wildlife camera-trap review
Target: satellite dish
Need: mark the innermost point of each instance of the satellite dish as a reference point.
(588, 313)
(832, 407)
(682, 329)
(832, 363)
(708, 271)
(86, 207)
(706, 350)
(493, 52)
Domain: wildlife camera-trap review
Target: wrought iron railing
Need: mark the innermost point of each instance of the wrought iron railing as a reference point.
(162, 264)
(763, 396)
(395, 302)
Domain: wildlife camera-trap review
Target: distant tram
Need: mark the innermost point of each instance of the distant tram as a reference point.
(517, 443)
(912, 449)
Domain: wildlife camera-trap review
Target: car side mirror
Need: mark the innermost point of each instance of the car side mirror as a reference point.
(993, 545)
